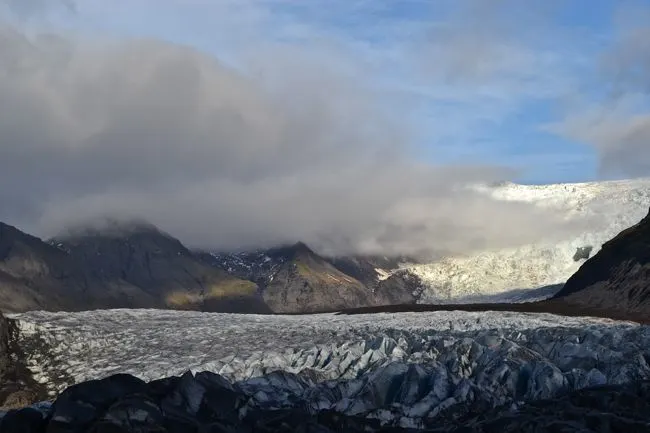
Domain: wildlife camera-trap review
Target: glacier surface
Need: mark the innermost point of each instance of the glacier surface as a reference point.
(603, 208)
(402, 368)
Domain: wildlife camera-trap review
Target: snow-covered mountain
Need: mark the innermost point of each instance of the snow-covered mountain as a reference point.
(602, 208)
(403, 369)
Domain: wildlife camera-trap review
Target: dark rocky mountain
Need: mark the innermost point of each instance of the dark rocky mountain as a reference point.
(160, 266)
(617, 278)
(295, 279)
(122, 266)
(307, 282)
(35, 275)
(207, 402)
(135, 265)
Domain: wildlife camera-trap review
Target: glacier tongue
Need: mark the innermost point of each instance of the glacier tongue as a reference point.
(602, 208)
(400, 368)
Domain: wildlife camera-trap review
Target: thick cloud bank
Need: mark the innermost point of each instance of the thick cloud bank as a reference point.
(225, 159)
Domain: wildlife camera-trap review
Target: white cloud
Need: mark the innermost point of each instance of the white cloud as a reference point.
(615, 118)
(311, 137)
(298, 150)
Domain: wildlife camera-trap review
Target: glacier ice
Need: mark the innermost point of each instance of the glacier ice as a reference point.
(401, 368)
(603, 209)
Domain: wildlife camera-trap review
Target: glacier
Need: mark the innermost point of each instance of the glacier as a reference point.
(404, 369)
(603, 209)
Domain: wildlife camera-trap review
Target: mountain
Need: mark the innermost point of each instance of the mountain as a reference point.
(617, 277)
(385, 276)
(160, 266)
(119, 266)
(526, 273)
(136, 265)
(307, 282)
(599, 210)
(35, 275)
(133, 264)
(294, 278)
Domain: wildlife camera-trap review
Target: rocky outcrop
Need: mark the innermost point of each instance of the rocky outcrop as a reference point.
(17, 387)
(295, 279)
(33, 274)
(305, 282)
(615, 409)
(617, 278)
(208, 403)
(389, 284)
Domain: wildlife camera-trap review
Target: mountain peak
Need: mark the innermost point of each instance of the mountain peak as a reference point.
(112, 228)
(302, 248)
(10, 235)
(292, 251)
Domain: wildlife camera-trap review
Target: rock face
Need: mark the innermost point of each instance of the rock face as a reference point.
(382, 275)
(161, 267)
(32, 273)
(17, 387)
(126, 266)
(296, 279)
(207, 402)
(307, 282)
(617, 278)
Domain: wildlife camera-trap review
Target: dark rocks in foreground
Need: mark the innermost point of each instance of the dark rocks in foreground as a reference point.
(207, 402)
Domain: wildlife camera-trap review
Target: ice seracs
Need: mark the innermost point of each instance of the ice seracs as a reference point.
(401, 368)
(602, 208)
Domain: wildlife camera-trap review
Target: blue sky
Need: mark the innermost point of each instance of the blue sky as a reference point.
(481, 80)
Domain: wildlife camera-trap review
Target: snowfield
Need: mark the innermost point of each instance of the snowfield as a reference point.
(399, 367)
(603, 208)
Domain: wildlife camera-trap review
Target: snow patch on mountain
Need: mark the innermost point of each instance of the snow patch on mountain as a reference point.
(602, 208)
(383, 274)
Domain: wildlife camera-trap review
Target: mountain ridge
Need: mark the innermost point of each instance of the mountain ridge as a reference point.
(107, 271)
(295, 273)
(137, 265)
(491, 275)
